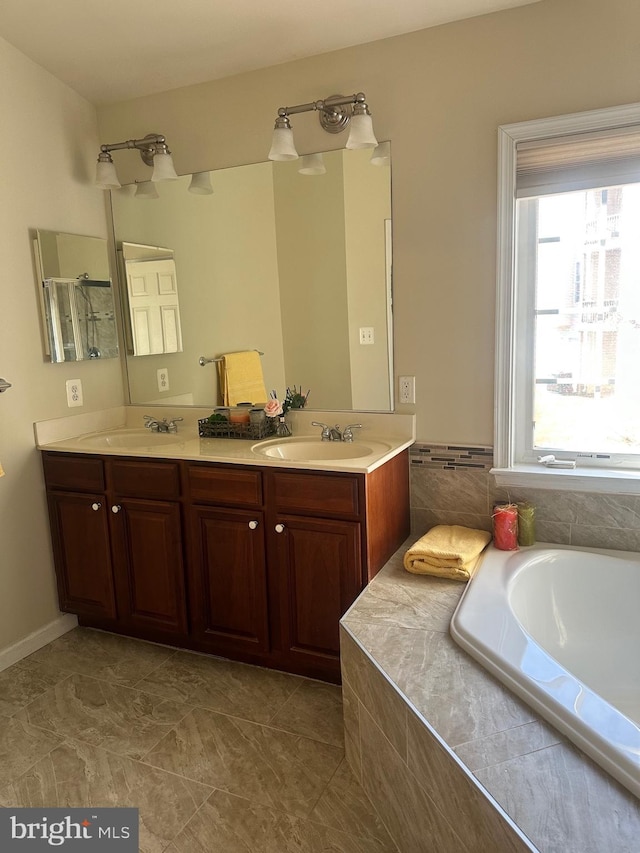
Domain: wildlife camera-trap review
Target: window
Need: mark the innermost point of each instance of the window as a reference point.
(568, 335)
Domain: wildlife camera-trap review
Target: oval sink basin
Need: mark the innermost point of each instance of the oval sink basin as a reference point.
(130, 438)
(315, 450)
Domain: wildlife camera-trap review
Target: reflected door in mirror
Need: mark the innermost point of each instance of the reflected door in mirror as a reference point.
(153, 305)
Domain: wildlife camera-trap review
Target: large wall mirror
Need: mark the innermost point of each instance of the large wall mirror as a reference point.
(76, 297)
(295, 266)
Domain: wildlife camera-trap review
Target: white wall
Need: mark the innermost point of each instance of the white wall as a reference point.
(48, 146)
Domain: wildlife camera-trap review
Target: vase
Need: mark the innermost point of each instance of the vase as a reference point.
(282, 430)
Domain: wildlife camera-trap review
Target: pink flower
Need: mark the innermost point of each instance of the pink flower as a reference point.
(273, 408)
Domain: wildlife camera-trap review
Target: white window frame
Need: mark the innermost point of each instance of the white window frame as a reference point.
(510, 349)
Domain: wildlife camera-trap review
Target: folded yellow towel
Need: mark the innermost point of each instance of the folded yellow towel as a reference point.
(448, 551)
(240, 378)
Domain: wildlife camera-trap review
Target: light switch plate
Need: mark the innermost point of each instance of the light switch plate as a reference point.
(74, 393)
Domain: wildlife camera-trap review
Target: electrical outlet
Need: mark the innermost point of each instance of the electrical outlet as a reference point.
(366, 335)
(163, 379)
(407, 388)
(74, 393)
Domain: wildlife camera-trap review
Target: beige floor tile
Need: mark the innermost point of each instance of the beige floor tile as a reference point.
(250, 692)
(345, 806)
(23, 682)
(102, 655)
(268, 766)
(76, 775)
(117, 718)
(21, 746)
(315, 711)
(235, 825)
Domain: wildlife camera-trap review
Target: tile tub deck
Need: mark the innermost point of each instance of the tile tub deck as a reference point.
(451, 759)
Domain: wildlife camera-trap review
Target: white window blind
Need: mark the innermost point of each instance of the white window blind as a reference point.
(578, 161)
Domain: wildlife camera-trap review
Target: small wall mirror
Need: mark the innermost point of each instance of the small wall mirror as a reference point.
(76, 297)
(152, 313)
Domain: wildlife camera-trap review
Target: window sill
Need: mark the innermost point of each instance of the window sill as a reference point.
(621, 481)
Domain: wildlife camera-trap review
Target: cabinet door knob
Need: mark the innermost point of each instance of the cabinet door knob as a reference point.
(253, 525)
(96, 506)
(115, 509)
(279, 528)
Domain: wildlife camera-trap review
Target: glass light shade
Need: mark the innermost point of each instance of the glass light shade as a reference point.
(312, 164)
(163, 168)
(146, 189)
(361, 134)
(381, 154)
(106, 176)
(201, 183)
(282, 146)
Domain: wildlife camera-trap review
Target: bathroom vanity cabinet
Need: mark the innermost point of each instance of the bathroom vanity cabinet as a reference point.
(251, 563)
(117, 538)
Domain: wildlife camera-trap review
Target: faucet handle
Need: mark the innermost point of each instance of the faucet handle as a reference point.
(172, 424)
(150, 422)
(326, 434)
(347, 435)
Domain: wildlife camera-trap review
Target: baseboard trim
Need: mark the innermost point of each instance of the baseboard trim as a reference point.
(31, 643)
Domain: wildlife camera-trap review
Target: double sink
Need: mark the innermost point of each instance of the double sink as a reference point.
(294, 449)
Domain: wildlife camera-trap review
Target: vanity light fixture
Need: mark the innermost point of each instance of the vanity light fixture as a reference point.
(312, 164)
(381, 154)
(201, 183)
(335, 114)
(154, 152)
(146, 189)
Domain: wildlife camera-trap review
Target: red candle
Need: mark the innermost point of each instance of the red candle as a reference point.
(505, 527)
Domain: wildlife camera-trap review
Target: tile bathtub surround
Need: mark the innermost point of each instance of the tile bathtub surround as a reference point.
(215, 754)
(448, 493)
(442, 747)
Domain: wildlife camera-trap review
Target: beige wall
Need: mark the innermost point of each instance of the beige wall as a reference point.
(438, 95)
(310, 236)
(367, 203)
(47, 153)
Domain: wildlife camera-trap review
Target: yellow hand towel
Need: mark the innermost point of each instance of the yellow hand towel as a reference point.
(240, 378)
(448, 551)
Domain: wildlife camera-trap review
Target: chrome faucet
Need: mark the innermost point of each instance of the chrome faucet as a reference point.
(334, 434)
(161, 426)
(347, 435)
(326, 433)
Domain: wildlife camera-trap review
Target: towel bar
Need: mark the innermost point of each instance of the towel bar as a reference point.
(4, 385)
(202, 360)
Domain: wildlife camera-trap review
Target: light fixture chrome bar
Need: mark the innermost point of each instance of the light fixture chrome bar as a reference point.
(324, 105)
(152, 143)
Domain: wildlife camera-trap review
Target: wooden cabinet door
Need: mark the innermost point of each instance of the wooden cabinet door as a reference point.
(80, 535)
(322, 569)
(149, 568)
(228, 580)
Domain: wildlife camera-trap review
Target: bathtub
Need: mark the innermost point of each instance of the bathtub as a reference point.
(560, 627)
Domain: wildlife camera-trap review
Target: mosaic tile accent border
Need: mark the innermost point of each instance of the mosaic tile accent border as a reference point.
(452, 457)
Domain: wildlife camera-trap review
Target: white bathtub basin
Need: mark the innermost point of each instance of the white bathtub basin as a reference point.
(560, 627)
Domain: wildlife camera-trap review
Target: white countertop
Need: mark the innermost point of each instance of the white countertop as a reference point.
(387, 435)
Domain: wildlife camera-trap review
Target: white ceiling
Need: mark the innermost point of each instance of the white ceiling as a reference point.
(112, 50)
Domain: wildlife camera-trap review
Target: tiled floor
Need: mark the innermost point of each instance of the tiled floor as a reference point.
(216, 755)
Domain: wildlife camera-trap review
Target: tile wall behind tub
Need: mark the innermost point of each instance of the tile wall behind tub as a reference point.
(451, 484)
